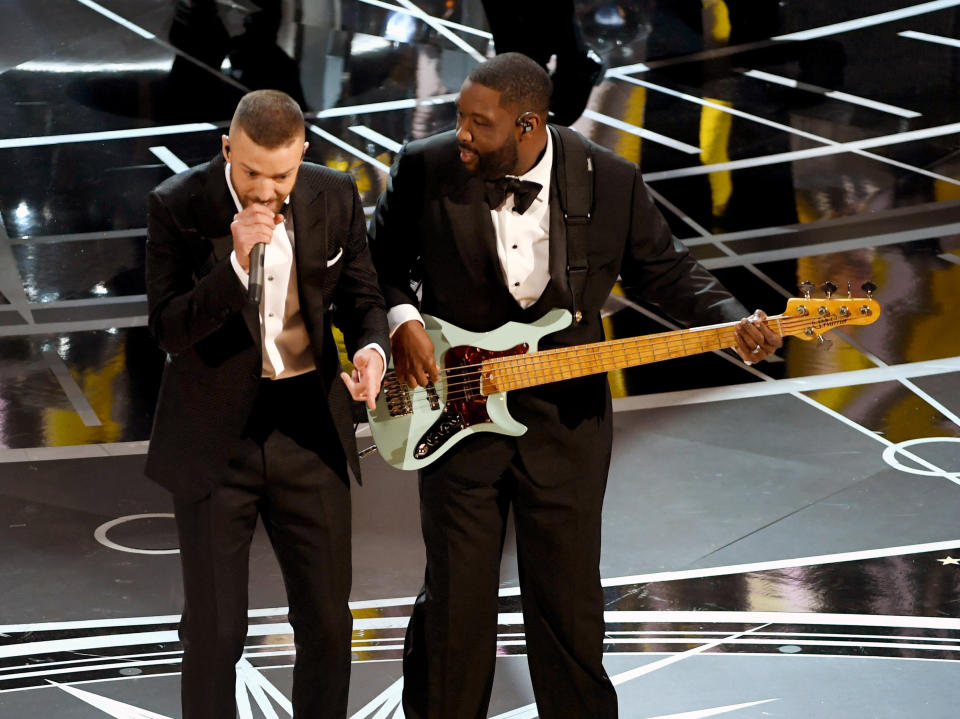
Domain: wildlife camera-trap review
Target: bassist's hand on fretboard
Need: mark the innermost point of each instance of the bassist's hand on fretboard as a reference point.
(756, 341)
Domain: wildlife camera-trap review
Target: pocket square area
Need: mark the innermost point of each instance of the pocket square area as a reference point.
(332, 261)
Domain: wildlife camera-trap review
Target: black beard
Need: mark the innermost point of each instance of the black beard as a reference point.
(276, 204)
(498, 163)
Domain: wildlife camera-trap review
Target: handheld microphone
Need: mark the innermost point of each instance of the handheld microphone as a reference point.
(255, 284)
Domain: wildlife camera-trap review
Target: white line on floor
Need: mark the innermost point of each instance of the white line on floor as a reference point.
(443, 30)
(641, 132)
(710, 617)
(333, 139)
(788, 386)
(833, 94)
(927, 37)
(870, 20)
(117, 19)
(167, 157)
(836, 246)
(376, 137)
(106, 135)
(374, 107)
(420, 14)
(830, 147)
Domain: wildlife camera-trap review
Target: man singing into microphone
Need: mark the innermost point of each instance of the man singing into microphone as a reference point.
(252, 419)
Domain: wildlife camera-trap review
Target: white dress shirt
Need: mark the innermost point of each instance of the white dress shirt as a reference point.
(523, 243)
(278, 263)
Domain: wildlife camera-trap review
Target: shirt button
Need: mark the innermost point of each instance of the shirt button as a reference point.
(514, 247)
(270, 314)
(516, 284)
(270, 279)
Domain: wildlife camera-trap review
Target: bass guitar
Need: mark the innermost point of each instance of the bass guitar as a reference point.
(414, 427)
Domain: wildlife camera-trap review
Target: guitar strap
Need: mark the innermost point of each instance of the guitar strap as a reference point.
(575, 190)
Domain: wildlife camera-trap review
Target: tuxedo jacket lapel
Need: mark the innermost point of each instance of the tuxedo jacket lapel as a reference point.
(213, 211)
(308, 202)
(310, 234)
(471, 227)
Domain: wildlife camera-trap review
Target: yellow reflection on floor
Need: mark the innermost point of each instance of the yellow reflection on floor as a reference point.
(64, 427)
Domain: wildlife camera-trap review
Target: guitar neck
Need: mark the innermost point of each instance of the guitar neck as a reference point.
(504, 374)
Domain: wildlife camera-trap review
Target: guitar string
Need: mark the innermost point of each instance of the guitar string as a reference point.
(456, 385)
(533, 364)
(554, 359)
(557, 351)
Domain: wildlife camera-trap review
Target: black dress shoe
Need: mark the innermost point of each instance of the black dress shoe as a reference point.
(572, 84)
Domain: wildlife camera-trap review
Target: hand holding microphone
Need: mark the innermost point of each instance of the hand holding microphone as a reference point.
(252, 229)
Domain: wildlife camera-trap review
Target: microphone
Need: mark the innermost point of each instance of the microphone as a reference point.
(255, 284)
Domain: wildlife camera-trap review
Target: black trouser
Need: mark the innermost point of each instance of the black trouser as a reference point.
(554, 477)
(279, 473)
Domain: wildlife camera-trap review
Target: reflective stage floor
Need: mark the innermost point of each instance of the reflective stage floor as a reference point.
(779, 540)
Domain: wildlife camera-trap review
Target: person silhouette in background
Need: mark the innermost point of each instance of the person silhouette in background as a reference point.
(541, 29)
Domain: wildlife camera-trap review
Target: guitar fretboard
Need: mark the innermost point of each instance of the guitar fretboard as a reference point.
(516, 372)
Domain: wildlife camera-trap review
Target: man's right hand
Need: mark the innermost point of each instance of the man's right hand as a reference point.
(251, 225)
(413, 355)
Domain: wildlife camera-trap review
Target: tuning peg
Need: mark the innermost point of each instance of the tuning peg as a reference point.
(828, 288)
(806, 288)
(869, 288)
(824, 343)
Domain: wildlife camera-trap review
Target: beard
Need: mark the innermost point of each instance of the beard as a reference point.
(496, 163)
(275, 204)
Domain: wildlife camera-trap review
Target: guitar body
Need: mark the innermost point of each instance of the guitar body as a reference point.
(412, 428)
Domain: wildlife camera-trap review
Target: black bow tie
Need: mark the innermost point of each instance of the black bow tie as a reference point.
(524, 192)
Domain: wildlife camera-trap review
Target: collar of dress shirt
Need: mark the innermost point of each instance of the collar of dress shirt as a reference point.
(540, 173)
(233, 193)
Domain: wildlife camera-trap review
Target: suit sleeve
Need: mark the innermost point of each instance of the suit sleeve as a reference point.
(183, 308)
(394, 236)
(657, 269)
(359, 309)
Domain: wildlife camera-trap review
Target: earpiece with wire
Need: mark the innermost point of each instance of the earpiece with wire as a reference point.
(525, 124)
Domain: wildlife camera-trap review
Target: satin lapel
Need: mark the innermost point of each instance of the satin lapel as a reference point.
(558, 229)
(472, 229)
(308, 202)
(213, 213)
(309, 231)
(214, 210)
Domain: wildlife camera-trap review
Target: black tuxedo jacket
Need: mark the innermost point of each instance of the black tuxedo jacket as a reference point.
(433, 228)
(200, 316)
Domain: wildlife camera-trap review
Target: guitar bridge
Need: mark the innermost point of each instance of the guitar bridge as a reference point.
(396, 395)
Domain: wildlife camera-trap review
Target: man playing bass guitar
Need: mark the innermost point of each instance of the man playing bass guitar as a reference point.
(490, 222)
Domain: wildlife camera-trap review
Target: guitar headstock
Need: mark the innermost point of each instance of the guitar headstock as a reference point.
(809, 317)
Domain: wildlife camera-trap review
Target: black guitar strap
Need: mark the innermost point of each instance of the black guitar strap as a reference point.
(575, 190)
